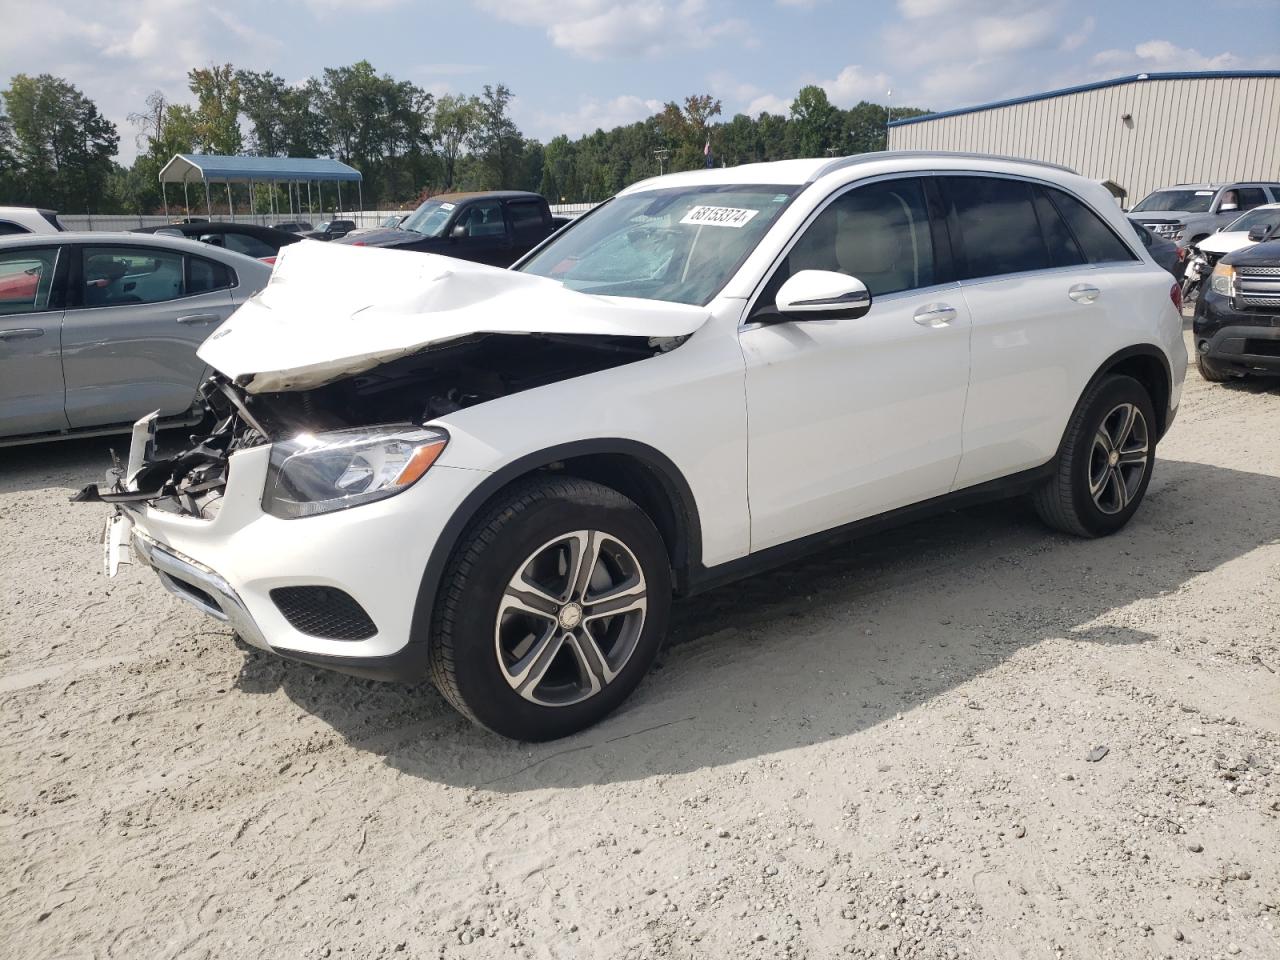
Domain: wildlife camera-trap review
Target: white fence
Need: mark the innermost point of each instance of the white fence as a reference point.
(367, 218)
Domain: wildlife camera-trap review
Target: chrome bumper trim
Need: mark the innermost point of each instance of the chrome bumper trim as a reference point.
(174, 570)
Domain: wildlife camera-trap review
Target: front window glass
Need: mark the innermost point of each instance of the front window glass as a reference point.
(1268, 216)
(120, 275)
(430, 218)
(681, 244)
(1190, 201)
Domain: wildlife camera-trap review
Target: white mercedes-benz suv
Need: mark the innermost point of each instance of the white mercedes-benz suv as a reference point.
(499, 479)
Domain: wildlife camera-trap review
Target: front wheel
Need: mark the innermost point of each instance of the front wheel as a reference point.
(552, 609)
(1105, 462)
(1211, 371)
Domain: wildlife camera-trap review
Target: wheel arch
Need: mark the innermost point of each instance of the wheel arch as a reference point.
(1147, 364)
(636, 470)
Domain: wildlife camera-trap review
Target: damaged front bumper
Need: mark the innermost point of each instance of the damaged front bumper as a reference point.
(258, 573)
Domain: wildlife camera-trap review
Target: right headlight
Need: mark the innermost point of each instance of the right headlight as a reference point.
(316, 473)
(1222, 279)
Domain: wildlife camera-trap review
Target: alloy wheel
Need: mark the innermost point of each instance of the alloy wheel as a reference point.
(569, 620)
(1119, 458)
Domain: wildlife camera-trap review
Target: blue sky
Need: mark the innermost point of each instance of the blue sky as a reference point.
(575, 65)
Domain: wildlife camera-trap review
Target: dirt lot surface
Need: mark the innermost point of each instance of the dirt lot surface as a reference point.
(883, 751)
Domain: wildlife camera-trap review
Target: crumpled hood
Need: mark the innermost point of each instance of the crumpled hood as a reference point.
(1225, 242)
(332, 311)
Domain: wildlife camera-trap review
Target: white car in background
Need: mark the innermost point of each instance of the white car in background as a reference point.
(19, 220)
(1236, 234)
(499, 478)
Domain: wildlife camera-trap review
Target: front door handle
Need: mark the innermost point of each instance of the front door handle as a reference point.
(1083, 293)
(200, 318)
(935, 315)
(22, 333)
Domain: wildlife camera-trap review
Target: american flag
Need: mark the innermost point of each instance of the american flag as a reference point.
(706, 151)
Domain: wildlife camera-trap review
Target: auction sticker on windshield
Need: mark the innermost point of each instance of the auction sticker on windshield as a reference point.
(736, 217)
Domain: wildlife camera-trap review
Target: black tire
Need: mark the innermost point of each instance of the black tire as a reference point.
(464, 655)
(1211, 371)
(1065, 502)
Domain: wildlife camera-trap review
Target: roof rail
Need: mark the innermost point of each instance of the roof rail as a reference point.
(839, 163)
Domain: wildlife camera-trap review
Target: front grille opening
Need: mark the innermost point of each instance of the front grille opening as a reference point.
(324, 612)
(1262, 348)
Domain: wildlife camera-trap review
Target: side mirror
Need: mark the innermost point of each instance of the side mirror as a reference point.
(1228, 207)
(459, 231)
(1259, 233)
(823, 295)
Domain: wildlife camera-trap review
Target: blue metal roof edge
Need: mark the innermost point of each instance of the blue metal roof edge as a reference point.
(288, 168)
(1081, 88)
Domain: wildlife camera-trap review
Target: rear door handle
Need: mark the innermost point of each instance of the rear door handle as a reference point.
(935, 315)
(200, 318)
(1083, 293)
(22, 333)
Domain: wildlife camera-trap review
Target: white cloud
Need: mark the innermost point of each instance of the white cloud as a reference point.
(768, 103)
(591, 114)
(600, 29)
(854, 84)
(1073, 41)
(118, 51)
(1158, 55)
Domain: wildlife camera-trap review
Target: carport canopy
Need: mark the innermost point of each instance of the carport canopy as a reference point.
(207, 168)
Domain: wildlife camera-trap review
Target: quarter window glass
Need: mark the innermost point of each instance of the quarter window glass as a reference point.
(1250, 197)
(1063, 249)
(878, 233)
(1099, 242)
(7, 228)
(121, 275)
(998, 226)
(526, 220)
(26, 280)
(249, 246)
(207, 275)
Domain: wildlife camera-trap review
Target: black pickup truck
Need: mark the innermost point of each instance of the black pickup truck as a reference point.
(497, 228)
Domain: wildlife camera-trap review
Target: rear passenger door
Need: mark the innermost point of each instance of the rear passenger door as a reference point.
(530, 223)
(32, 283)
(136, 317)
(1032, 262)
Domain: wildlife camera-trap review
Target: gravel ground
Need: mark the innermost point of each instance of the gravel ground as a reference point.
(887, 750)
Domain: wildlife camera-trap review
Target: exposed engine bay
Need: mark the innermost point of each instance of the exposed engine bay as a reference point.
(413, 389)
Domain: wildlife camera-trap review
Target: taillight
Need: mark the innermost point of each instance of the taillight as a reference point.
(270, 260)
(1175, 294)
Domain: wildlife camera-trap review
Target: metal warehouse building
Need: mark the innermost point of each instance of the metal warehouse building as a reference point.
(1140, 132)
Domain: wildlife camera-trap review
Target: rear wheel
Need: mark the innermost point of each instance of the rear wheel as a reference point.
(552, 609)
(1105, 463)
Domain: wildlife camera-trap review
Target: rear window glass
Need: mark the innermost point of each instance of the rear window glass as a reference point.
(1098, 241)
(998, 226)
(26, 280)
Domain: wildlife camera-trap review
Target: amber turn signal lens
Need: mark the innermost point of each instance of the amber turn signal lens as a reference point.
(419, 463)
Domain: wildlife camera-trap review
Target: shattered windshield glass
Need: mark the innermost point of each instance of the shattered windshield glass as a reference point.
(681, 244)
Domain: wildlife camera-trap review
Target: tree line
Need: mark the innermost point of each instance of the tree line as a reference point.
(57, 150)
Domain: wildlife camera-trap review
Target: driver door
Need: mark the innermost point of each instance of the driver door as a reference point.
(855, 417)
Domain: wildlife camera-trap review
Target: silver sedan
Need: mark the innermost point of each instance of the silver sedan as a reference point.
(99, 329)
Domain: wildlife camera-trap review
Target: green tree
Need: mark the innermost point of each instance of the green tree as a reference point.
(217, 113)
(453, 127)
(61, 146)
(816, 123)
(498, 144)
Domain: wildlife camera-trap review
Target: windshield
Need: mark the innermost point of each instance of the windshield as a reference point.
(681, 244)
(430, 218)
(1192, 201)
(1259, 216)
